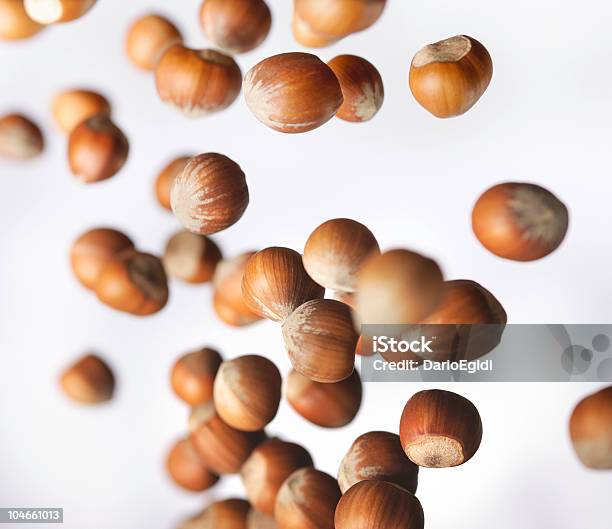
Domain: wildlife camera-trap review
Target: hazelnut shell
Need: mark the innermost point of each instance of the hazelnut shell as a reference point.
(88, 381)
(193, 375)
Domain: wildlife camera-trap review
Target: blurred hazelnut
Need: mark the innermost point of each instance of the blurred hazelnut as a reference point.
(226, 514)
(133, 282)
(448, 77)
(54, 11)
(307, 500)
(15, 24)
(72, 107)
(306, 36)
(92, 251)
(292, 92)
(210, 194)
(260, 520)
(362, 87)
(519, 221)
(270, 464)
(193, 375)
(191, 257)
(148, 38)
(247, 392)
(236, 25)
(320, 338)
(379, 456)
(335, 252)
(186, 468)
(163, 182)
(591, 430)
(97, 149)
(275, 283)
(20, 138)
(88, 381)
(440, 429)
(197, 82)
(222, 448)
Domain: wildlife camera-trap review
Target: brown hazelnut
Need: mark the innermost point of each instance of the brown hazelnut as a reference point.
(193, 375)
(440, 429)
(520, 221)
(247, 392)
(88, 381)
(292, 92)
(448, 77)
(275, 283)
(92, 251)
(54, 11)
(148, 38)
(20, 138)
(133, 282)
(305, 35)
(163, 182)
(236, 26)
(335, 252)
(362, 88)
(260, 520)
(191, 257)
(397, 287)
(320, 338)
(379, 456)
(72, 107)
(591, 430)
(339, 18)
(270, 464)
(15, 24)
(372, 504)
(97, 149)
(327, 405)
(210, 194)
(226, 514)
(307, 500)
(197, 82)
(222, 448)
(186, 468)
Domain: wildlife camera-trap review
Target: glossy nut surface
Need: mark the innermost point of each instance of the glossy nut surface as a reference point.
(54, 11)
(193, 375)
(191, 257)
(15, 24)
(186, 469)
(72, 107)
(148, 38)
(164, 179)
(88, 381)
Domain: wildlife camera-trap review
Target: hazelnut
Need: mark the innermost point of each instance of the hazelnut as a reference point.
(92, 251)
(88, 381)
(379, 456)
(305, 35)
(54, 11)
(148, 38)
(186, 468)
(226, 514)
(20, 138)
(72, 107)
(197, 82)
(191, 257)
(222, 448)
(270, 464)
(260, 520)
(339, 18)
(193, 375)
(275, 283)
(228, 300)
(519, 221)
(292, 92)
(397, 287)
(163, 182)
(591, 430)
(448, 77)
(440, 429)
(235, 25)
(335, 252)
(15, 24)
(372, 504)
(210, 195)
(306, 500)
(97, 149)
(320, 338)
(133, 282)
(362, 87)
(327, 405)
(247, 392)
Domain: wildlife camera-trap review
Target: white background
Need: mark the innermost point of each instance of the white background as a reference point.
(410, 177)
